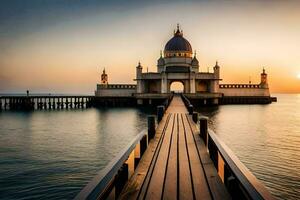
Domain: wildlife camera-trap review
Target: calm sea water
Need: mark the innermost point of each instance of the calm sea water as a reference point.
(266, 138)
(53, 154)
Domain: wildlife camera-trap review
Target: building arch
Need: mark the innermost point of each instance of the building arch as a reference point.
(177, 86)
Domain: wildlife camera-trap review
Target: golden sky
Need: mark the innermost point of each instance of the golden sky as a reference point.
(64, 51)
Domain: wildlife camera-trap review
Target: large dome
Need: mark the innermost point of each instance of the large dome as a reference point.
(178, 46)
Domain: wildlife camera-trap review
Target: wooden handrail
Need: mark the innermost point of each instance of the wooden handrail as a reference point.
(187, 104)
(106, 177)
(238, 179)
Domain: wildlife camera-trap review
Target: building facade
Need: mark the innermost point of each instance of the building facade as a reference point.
(178, 63)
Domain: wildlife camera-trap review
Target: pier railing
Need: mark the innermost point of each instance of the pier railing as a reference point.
(187, 104)
(239, 181)
(110, 181)
(161, 109)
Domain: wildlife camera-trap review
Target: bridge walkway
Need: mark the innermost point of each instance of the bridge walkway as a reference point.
(176, 164)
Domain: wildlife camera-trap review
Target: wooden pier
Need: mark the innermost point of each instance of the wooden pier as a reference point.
(54, 102)
(180, 162)
(174, 170)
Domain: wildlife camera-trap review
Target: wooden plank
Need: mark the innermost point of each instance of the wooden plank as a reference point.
(200, 185)
(170, 185)
(146, 182)
(133, 187)
(180, 167)
(155, 187)
(216, 187)
(184, 179)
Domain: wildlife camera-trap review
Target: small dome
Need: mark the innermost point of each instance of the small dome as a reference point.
(178, 44)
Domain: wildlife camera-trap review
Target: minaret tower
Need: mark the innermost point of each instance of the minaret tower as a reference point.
(104, 78)
(217, 70)
(264, 79)
(139, 71)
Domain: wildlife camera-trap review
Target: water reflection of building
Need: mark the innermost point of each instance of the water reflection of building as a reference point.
(178, 63)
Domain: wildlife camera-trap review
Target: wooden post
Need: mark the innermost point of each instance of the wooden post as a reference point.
(121, 179)
(62, 103)
(232, 187)
(5, 104)
(67, 103)
(195, 117)
(151, 126)
(58, 103)
(203, 128)
(71, 103)
(49, 103)
(213, 151)
(191, 109)
(45, 104)
(38, 103)
(53, 103)
(143, 145)
(160, 113)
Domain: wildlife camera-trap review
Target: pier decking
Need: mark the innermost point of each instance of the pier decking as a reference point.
(176, 165)
(175, 160)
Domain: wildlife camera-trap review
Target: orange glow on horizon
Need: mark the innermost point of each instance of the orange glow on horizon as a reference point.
(70, 56)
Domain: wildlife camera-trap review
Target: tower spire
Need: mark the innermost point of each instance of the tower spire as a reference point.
(264, 79)
(178, 32)
(104, 77)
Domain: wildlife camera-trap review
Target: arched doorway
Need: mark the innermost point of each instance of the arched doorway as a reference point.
(177, 87)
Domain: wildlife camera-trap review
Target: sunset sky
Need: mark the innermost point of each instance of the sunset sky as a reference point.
(61, 46)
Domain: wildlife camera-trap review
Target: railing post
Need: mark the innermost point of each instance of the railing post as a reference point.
(195, 117)
(160, 113)
(191, 109)
(143, 145)
(203, 129)
(151, 126)
(121, 179)
(232, 187)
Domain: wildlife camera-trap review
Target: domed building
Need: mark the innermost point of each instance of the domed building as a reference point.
(178, 64)
(178, 54)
